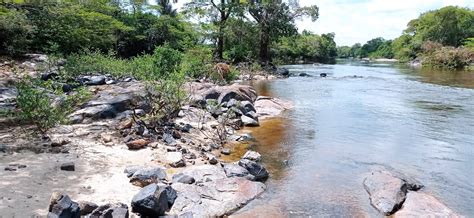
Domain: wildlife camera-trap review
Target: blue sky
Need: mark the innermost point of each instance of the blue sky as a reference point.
(361, 20)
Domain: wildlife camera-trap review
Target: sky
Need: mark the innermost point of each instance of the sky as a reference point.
(361, 20)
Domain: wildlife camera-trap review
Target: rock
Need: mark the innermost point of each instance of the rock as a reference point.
(226, 151)
(200, 92)
(205, 173)
(215, 198)
(10, 168)
(68, 166)
(186, 128)
(115, 210)
(95, 112)
(270, 107)
(58, 142)
(212, 159)
(49, 76)
(419, 204)
(387, 192)
(255, 169)
(252, 114)
(61, 206)
(246, 107)
(95, 80)
(130, 170)
(248, 121)
(323, 74)
(304, 75)
(137, 144)
(126, 124)
(87, 207)
(283, 72)
(253, 156)
(151, 201)
(234, 170)
(176, 134)
(182, 178)
(175, 159)
(168, 139)
(171, 194)
(106, 137)
(147, 175)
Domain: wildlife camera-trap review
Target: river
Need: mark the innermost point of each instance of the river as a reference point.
(359, 118)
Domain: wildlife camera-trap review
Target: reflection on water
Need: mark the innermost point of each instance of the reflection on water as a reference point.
(363, 117)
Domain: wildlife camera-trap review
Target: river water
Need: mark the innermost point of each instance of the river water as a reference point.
(359, 118)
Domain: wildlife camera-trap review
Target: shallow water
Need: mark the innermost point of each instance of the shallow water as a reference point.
(359, 118)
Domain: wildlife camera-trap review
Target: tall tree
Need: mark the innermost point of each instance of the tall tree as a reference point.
(275, 19)
(217, 12)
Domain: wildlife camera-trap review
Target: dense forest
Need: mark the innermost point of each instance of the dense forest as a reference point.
(441, 38)
(225, 30)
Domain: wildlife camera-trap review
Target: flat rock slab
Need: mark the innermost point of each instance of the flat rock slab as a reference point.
(215, 198)
(386, 191)
(419, 204)
(271, 107)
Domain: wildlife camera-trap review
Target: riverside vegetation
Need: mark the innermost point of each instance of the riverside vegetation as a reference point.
(440, 38)
(127, 74)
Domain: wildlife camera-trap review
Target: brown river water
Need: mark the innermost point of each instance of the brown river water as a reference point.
(360, 118)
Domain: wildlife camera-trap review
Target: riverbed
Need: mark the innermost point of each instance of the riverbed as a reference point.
(362, 117)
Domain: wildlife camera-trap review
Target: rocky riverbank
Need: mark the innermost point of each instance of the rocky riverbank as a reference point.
(105, 162)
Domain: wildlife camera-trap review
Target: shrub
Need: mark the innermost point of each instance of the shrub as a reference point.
(438, 56)
(94, 62)
(197, 62)
(39, 104)
(36, 107)
(15, 32)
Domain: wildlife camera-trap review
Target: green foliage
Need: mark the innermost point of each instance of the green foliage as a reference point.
(166, 63)
(469, 43)
(15, 31)
(94, 62)
(403, 48)
(307, 47)
(446, 57)
(240, 44)
(344, 52)
(197, 62)
(39, 104)
(449, 26)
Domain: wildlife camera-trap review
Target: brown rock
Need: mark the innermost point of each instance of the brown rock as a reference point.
(127, 124)
(137, 144)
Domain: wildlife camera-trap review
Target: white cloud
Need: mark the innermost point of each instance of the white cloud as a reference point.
(359, 21)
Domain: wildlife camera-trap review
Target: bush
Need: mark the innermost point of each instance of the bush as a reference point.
(446, 57)
(94, 62)
(197, 62)
(44, 107)
(15, 32)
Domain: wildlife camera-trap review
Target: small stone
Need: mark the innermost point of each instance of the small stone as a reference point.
(176, 134)
(20, 166)
(182, 178)
(127, 124)
(175, 159)
(212, 159)
(87, 207)
(226, 151)
(137, 144)
(69, 166)
(248, 121)
(147, 175)
(59, 142)
(169, 140)
(186, 128)
(257, 170)
(29, 196)
(106, 137)
(10, 168)
(115, 210)
(253, 156)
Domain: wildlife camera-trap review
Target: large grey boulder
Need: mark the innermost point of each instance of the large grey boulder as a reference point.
(216, 198)
(253, 156)
(258, 171)
(61, 206)
(419, 204)
(249, 121)
(387, 192)
(234, 170)
(151, 201)
(271, 107)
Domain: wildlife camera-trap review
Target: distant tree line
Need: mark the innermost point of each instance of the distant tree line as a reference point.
(441, 38)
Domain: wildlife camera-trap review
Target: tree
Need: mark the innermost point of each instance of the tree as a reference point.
(449, 26)
(275, 19)
(217, 12)
(344, 52)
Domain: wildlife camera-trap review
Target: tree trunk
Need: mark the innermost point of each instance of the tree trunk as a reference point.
(220, 44)
(264, 46)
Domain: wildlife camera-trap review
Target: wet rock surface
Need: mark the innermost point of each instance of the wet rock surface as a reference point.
(387, 193)
(418, 204)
